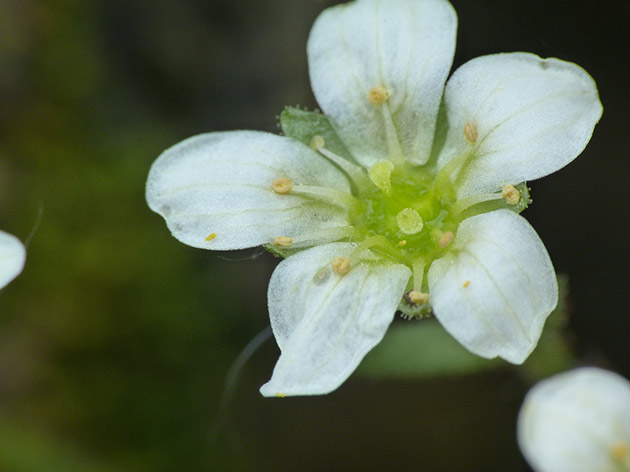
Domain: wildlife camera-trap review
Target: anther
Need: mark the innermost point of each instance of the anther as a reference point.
(282, 241)
(419, 298)
(378, 95)
(211, 236)
(402, 243)
(446, 239)
(341, 265)
(282, 185)
(470, 132)
(511, 194)
(280, 395)
(466, 284)
(619, 451)
(317, 142)
(409, 221)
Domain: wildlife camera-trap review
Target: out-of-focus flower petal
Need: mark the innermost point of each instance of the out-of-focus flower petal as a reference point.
(577, 421)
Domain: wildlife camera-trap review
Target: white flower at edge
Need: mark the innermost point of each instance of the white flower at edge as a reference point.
(577, 421)
(12, 257)
(414, 202)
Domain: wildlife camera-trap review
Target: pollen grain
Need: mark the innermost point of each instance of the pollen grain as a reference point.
(282, 185)
(341, 265)
(378, 95)
(511, 194)
(282, 241)
(470, 132)
(419, 298)
(446, 239)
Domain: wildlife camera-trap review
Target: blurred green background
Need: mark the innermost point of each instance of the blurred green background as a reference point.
(116, 340)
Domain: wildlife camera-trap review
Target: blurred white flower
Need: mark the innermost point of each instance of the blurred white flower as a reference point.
(410, 201)
(577, 421)
(12, 257)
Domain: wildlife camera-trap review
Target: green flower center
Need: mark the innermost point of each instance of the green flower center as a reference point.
(407, 208)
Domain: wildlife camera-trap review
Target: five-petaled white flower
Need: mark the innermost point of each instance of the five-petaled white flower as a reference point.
(12, 257)
(577, 421)
(409, 199)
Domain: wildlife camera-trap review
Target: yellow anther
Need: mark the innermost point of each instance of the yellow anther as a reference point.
(470, 132)
(466, 284)
(378, 95)
(419, 298)
(280, 395)
(318, 142)
(402, 243)
(446, 239)
(380, 174)
(283, 241)
(211, 236)
(409, 221)
(619, 451)
(282, 185)
(341, 265)
(511, 194)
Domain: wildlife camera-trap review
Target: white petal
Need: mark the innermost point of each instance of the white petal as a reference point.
(12, 257)
(325, 323)
(222, 183)
(532, 116)
(405, 46)
(495, 287)
(577, 421)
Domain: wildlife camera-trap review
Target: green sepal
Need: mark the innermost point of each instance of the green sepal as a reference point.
(421, 349)
(304, 125)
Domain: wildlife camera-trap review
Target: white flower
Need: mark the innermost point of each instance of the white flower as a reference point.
(410, 187)
(12, 257)
(577, 421)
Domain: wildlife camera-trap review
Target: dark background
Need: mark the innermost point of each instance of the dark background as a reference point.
(116, 340)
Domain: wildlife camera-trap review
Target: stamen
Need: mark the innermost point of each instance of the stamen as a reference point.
(466, 202)
(280, 395)
(378, 95)
(511, 194)
(326, 235)
(375, 241)
(380, 174)
(331, 195)
(619, 451)
(453, 167)
(211, 236)
(409, 221)
(283, 241)
(470, 132)
(418, 273)
(355, 172)
(419, 298)
(446, 239)
(621, 455)
(466, 284)
(282, 185)
(402, 243)
(341, 265)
